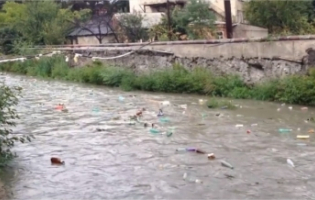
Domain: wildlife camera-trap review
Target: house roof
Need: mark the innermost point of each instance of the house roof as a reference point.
(149, 19)
(92, 27)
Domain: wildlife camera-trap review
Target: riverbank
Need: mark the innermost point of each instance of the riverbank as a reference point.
(296, 89)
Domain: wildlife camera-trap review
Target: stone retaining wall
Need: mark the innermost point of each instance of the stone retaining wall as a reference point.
(254, 60)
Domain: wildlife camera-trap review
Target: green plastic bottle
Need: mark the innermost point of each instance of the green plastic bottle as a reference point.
(284, 130)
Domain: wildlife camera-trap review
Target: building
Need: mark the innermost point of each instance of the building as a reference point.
(150, 6)
(96, 31)
(240, 27)
(236, 10)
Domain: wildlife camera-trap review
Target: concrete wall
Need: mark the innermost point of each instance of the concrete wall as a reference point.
(249, 31)
(254, 60)
(292, 47)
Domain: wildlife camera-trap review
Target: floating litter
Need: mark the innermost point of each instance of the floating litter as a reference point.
(164, 119)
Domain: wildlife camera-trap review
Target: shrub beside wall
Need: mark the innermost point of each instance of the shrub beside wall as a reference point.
(296, 89)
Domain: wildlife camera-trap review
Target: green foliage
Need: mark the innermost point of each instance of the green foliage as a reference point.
(299, 89)
(38, 22)
(12, 13)
(277, 16)
(131, 26)
(161, 30)
(8, 100)
(193, 18)
(8, 37)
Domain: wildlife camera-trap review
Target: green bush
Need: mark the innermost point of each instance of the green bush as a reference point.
(299, 89)
(8, 99)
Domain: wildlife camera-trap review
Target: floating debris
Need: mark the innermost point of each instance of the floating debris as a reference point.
(226, 164)
(290, 162)
(239, 125)
(302, 136)
(160, 114)
(56, 161)
(211, 156)
(284, 130)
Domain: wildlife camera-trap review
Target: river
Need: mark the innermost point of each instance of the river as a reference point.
(128, 162)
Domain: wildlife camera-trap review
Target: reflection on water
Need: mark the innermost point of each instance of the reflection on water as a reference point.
(128, 162)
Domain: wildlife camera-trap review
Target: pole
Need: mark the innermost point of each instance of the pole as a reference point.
(169, 20)
(228, 18)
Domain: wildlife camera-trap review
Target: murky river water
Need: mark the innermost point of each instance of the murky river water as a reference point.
(128, 162)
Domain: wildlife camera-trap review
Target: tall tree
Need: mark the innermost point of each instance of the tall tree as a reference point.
(40, 22)
(195, 19)
(289, 17)
(100, 23)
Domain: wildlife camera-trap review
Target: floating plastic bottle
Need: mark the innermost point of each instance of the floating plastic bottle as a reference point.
(302, 136)
(290, 162)
(186, 149)
(181, 150)
(189, 178)
(284, 130)
(226, 164)
(191, 149)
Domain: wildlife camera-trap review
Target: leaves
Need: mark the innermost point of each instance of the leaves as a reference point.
(281, 17)
(40, 22)
(193, 18)
(8, 100)
(131, 27)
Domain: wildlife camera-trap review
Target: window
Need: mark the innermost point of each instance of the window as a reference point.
(220, 35)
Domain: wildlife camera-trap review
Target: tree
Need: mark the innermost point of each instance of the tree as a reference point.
(195, 19)
(11, 13)
(131, 26)
(281, 17)
(102, 17)
(9, 99)
(47, 23)
(40, 22)
(8, 36)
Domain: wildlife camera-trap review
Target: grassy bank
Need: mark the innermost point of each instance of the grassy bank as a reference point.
(295, 89)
